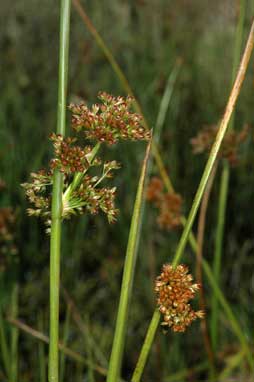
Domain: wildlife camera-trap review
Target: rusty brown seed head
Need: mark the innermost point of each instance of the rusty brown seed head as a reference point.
(169, 204)
(174, 289)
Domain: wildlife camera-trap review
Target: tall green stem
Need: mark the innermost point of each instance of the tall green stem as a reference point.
(224, 182)
(200, 191)
(115, 362)
(56, 213)
(218, 248)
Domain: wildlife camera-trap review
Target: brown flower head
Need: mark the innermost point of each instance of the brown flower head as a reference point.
(7, 239)
(154, 192)
(230, 145)
(109, 121)
(70, 158)
(168, 203)
(174, 289)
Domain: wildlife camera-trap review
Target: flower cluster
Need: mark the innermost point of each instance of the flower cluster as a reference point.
(174, 290)
(169, 204)
(109, 121)
(80, 194)
(83, 172)
(230, 145)
(69, 158)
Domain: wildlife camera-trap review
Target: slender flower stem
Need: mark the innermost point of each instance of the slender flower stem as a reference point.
(200, 191)
(146, 346)
(224, 183)
(56, 214)
(115, 362)
(169, 89)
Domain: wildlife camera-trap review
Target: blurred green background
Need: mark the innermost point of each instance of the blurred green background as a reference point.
(147, 37)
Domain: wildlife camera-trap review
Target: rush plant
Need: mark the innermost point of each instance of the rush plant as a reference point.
(79, 181)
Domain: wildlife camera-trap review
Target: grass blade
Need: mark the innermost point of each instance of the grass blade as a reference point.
(165, 101)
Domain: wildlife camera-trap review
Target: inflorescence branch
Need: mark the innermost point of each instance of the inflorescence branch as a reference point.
(84, 172)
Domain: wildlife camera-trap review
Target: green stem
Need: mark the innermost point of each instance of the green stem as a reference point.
(115, 362)
(146, 346)
(224, 183)
(166, 100)
(200, 191)
(56, 213)
(237, 48)
(218, 249)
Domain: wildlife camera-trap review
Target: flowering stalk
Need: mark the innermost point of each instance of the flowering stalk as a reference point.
(56, 211)
(81, 190)
(200, 191)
